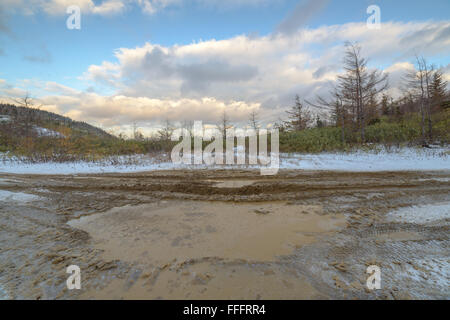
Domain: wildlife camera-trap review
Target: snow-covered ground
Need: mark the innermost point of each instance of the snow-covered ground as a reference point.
(16, 196)
(424, 214)
(3, 294)
(406, 159)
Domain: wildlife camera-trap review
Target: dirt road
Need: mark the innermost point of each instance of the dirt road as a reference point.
(217, 234)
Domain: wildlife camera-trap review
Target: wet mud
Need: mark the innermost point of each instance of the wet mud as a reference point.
(221, 234)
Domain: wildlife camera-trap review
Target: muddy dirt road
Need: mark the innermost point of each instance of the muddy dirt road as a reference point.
(213, 234)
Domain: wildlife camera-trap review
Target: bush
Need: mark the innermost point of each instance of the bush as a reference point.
(312, 140)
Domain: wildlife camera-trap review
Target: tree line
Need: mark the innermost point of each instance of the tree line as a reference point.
(360, 98)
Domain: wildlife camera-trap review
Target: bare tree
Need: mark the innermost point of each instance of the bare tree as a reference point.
(280, 125)
(137, 134)
(339, 110)
(359, 86)
(27, 101)
(253, 120)
(224, 124)
(336, 107)
(299, 116)
(419, 82)
(28, 114)
(189, 126)
(429, 70)
(135, 130)
(165, 133)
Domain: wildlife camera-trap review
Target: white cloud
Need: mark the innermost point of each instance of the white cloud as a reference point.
(269, 69)
(110, 7)
(152, 6)
(59, 7)
(446, 71)
(198, 81)
(119, 111)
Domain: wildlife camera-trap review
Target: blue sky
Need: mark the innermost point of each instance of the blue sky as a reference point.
(36, 48)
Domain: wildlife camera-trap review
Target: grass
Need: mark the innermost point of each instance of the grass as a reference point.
(406, 131)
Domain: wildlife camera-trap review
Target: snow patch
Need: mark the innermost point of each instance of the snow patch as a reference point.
(44, 132)
(5, 118)
(16, 196)
(434, 271)
(421, 214)
(407, 159)
(3, 294)
(435, 179)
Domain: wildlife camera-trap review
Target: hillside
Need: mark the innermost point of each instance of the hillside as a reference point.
(44, 136)
(24, 116)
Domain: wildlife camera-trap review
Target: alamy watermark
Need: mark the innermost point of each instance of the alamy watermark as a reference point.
(374, 21)
(74, 280)
(74, 20)
(234, 154)
(374, 280)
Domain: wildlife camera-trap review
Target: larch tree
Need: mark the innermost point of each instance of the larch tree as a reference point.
(438, 89)
(298, 116)
(419, 82)
(359, 86)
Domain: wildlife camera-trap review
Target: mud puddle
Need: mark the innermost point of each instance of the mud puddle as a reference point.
(215, 234)
(209, 278)
(205, 250)
(189, 230)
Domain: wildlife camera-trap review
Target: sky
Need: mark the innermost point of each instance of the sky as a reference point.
(145, 61)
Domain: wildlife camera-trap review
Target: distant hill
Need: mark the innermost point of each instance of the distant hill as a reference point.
(43, 136)
(40, 118)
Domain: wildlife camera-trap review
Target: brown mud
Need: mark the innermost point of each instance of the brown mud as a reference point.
(221, 234)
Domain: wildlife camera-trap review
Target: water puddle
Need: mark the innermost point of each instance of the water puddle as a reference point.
(190, 229)
(207, 249)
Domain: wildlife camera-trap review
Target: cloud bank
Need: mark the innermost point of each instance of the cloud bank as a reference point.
(198, 81)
